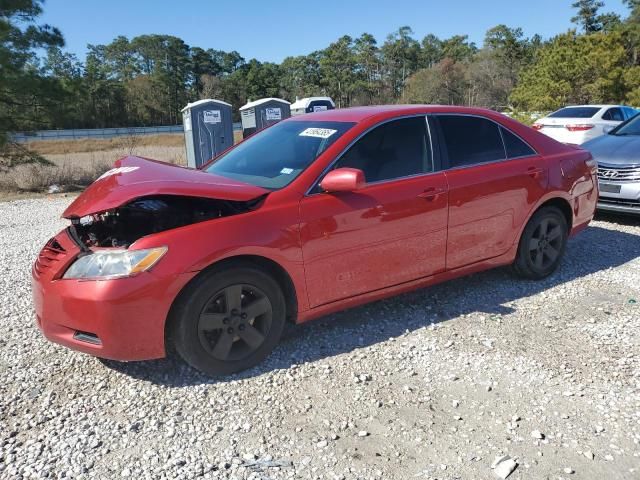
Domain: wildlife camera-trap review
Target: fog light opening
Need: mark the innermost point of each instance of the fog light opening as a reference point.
(87, 337)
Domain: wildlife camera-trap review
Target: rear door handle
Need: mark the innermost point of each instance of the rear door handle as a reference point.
(432, 193)
(534, 172)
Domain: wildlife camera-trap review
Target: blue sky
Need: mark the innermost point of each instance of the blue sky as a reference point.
(271, 30)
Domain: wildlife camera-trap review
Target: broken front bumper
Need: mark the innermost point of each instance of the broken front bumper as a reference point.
(119, 319)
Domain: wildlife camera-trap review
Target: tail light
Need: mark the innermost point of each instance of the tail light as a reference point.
(579, 127)
(537, 126)
(592, 165)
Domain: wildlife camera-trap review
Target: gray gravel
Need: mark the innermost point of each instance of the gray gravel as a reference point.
(451, 382)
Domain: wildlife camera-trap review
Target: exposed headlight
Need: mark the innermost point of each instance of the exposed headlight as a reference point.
(114, 263)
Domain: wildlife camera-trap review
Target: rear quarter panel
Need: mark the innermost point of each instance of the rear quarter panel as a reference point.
(569, 177)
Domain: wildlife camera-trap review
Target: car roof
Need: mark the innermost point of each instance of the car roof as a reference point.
(591, 106)
(260, 101)
(304, 102)
(358, 114)
(370, 115)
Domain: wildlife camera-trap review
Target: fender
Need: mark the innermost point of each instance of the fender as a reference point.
(272, 235)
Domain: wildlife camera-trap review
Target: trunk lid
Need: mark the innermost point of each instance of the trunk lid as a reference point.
(134, 177)
(561, 122)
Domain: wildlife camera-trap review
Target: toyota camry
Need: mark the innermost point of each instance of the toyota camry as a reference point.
(318, 213)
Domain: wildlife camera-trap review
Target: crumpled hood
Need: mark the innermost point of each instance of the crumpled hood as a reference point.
(134, 177)
(615, 150)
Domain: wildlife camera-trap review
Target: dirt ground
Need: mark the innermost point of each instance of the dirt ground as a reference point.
(433, 384)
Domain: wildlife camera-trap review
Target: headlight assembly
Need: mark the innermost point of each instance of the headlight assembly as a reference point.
(105, 264)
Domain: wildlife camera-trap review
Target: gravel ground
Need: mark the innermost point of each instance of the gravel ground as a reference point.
(431, 385)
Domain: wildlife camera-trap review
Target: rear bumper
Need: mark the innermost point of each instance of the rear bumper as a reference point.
(584, 206)
(565, 136)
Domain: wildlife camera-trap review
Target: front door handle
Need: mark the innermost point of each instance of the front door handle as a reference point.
(432, 193)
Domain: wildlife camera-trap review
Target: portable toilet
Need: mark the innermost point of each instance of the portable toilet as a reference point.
(208, 130)
(311, 104)
(262, 113)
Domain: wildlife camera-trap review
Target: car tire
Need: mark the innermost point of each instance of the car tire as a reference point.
(542, 244)
(228, 320)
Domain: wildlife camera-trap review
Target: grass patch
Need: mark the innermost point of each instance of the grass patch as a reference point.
(87, 145)
(74, 164)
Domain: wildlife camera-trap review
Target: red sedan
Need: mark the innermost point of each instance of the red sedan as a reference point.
(318, 213)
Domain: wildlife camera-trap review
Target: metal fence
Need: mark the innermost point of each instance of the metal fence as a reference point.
(99, 133)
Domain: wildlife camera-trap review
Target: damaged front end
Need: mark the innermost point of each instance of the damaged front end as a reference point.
(120, 227)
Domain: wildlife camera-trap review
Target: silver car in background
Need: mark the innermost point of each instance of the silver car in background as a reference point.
(618, 157)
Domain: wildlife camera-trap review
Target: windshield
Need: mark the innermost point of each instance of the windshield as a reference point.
(630, 127)
(274, 157)
(575, 112)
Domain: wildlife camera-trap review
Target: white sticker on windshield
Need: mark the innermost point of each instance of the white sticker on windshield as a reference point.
(318, 132)
(286, 171)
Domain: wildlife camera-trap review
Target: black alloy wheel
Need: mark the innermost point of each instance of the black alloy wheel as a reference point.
(228, 319)
(546, 242)
(235, 322)
(542, 244)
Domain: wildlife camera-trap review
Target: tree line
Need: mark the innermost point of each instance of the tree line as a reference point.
(146, 80)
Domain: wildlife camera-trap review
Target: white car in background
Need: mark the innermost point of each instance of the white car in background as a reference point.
(580, 123)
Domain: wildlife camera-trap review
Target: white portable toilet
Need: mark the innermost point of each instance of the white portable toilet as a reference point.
(311, 104)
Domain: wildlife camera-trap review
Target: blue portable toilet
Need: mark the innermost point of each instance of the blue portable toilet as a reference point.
(262, 113)
(208, 130)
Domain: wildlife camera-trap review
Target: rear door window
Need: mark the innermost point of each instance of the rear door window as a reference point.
(470, 140)
(575, 112)
(613, 114)
(515, 146)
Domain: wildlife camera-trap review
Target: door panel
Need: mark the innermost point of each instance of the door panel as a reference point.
(488, 204)
(490, 196)
(382, 235)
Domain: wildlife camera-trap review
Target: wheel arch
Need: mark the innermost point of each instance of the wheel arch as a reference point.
(265, 264)
(522, 262)
(561, 204)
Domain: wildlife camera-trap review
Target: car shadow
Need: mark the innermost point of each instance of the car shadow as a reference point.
(618, 218)
(594, 250)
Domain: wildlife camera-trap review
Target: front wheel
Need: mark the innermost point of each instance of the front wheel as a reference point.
(229, 320)
(542, 244)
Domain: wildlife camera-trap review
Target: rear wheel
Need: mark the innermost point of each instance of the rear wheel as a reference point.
(229, 320)
(542, 244)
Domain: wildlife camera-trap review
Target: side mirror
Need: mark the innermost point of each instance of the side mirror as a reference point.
(343, 180)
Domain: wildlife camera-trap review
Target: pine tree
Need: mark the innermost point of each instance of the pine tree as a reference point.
(587, 16)
(22, 87)
(634, 6)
